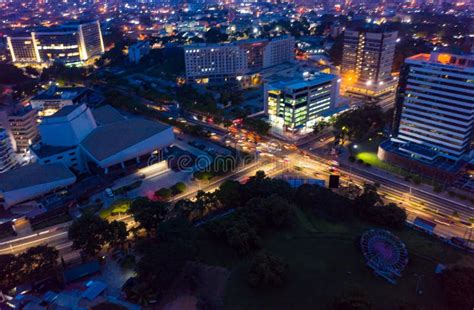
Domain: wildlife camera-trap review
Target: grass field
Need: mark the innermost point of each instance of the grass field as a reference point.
(367, 151)
(325, 262)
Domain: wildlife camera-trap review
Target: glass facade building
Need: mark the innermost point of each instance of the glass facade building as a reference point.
(295, 105)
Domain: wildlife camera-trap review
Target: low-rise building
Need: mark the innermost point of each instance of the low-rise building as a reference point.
(54, 98)
(74, 137)
(138, 50)
(33, 181)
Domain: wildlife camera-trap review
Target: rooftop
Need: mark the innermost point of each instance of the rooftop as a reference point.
(64, 111)
(34, 174)
(112, 138)
(107, 115)
(298, 83)
(58, 93)
(445, 59)
(43, 150)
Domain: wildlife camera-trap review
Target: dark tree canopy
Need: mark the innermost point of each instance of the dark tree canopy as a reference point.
(361, 122)
(458, 285)
(9, 74)
(91, 233)
(35, 264)
(148, 213)
(267, 270)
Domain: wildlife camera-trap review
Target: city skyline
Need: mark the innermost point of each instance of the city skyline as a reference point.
(168, 154)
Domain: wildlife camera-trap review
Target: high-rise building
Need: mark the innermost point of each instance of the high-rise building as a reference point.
(69, 43)
(7, 155)
(295, 105)
(21, 126)
(367, 64)
(24, 128)
(217, 63)
(434, 116)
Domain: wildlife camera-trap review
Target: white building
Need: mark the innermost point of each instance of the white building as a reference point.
(296, 105)
(7, 155)
(217, 63)
(98, 141)
(54, 98)
(33, 181)
(138, 50)
(435, 107)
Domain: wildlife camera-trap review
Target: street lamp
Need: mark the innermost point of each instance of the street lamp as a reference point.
(355, 146)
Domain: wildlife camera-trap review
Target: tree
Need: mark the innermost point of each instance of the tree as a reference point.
(391, 216)
(259, 126)
(59, 72)
(148, 213)
(267, 270)
(241, 236)
(204, 204)
(229, 194)
(11, 74)
(361, 122)
(178, 188)
(214, 35)
(369, 197)
(273, 211)
(458, 284)
(9, 267)
(118, 233)
(262, 186)
(163, 258)
(319, 127)
(31, 71)
(38, 262)
(163, 193)
(35, 264)
(323, 202)
(90, 233)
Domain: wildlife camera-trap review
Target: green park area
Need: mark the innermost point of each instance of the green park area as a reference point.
(117, 207)
(326, 264)
(367, 152)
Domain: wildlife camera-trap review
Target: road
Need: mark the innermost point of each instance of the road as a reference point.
(58, 238)
(416, 201)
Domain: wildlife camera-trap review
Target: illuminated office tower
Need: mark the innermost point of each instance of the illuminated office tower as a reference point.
(436, 103)
(434, 116)
(367, 64)
(72, 43)
(295, 105)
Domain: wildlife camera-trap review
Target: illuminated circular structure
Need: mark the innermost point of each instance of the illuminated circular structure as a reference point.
(385, 253)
